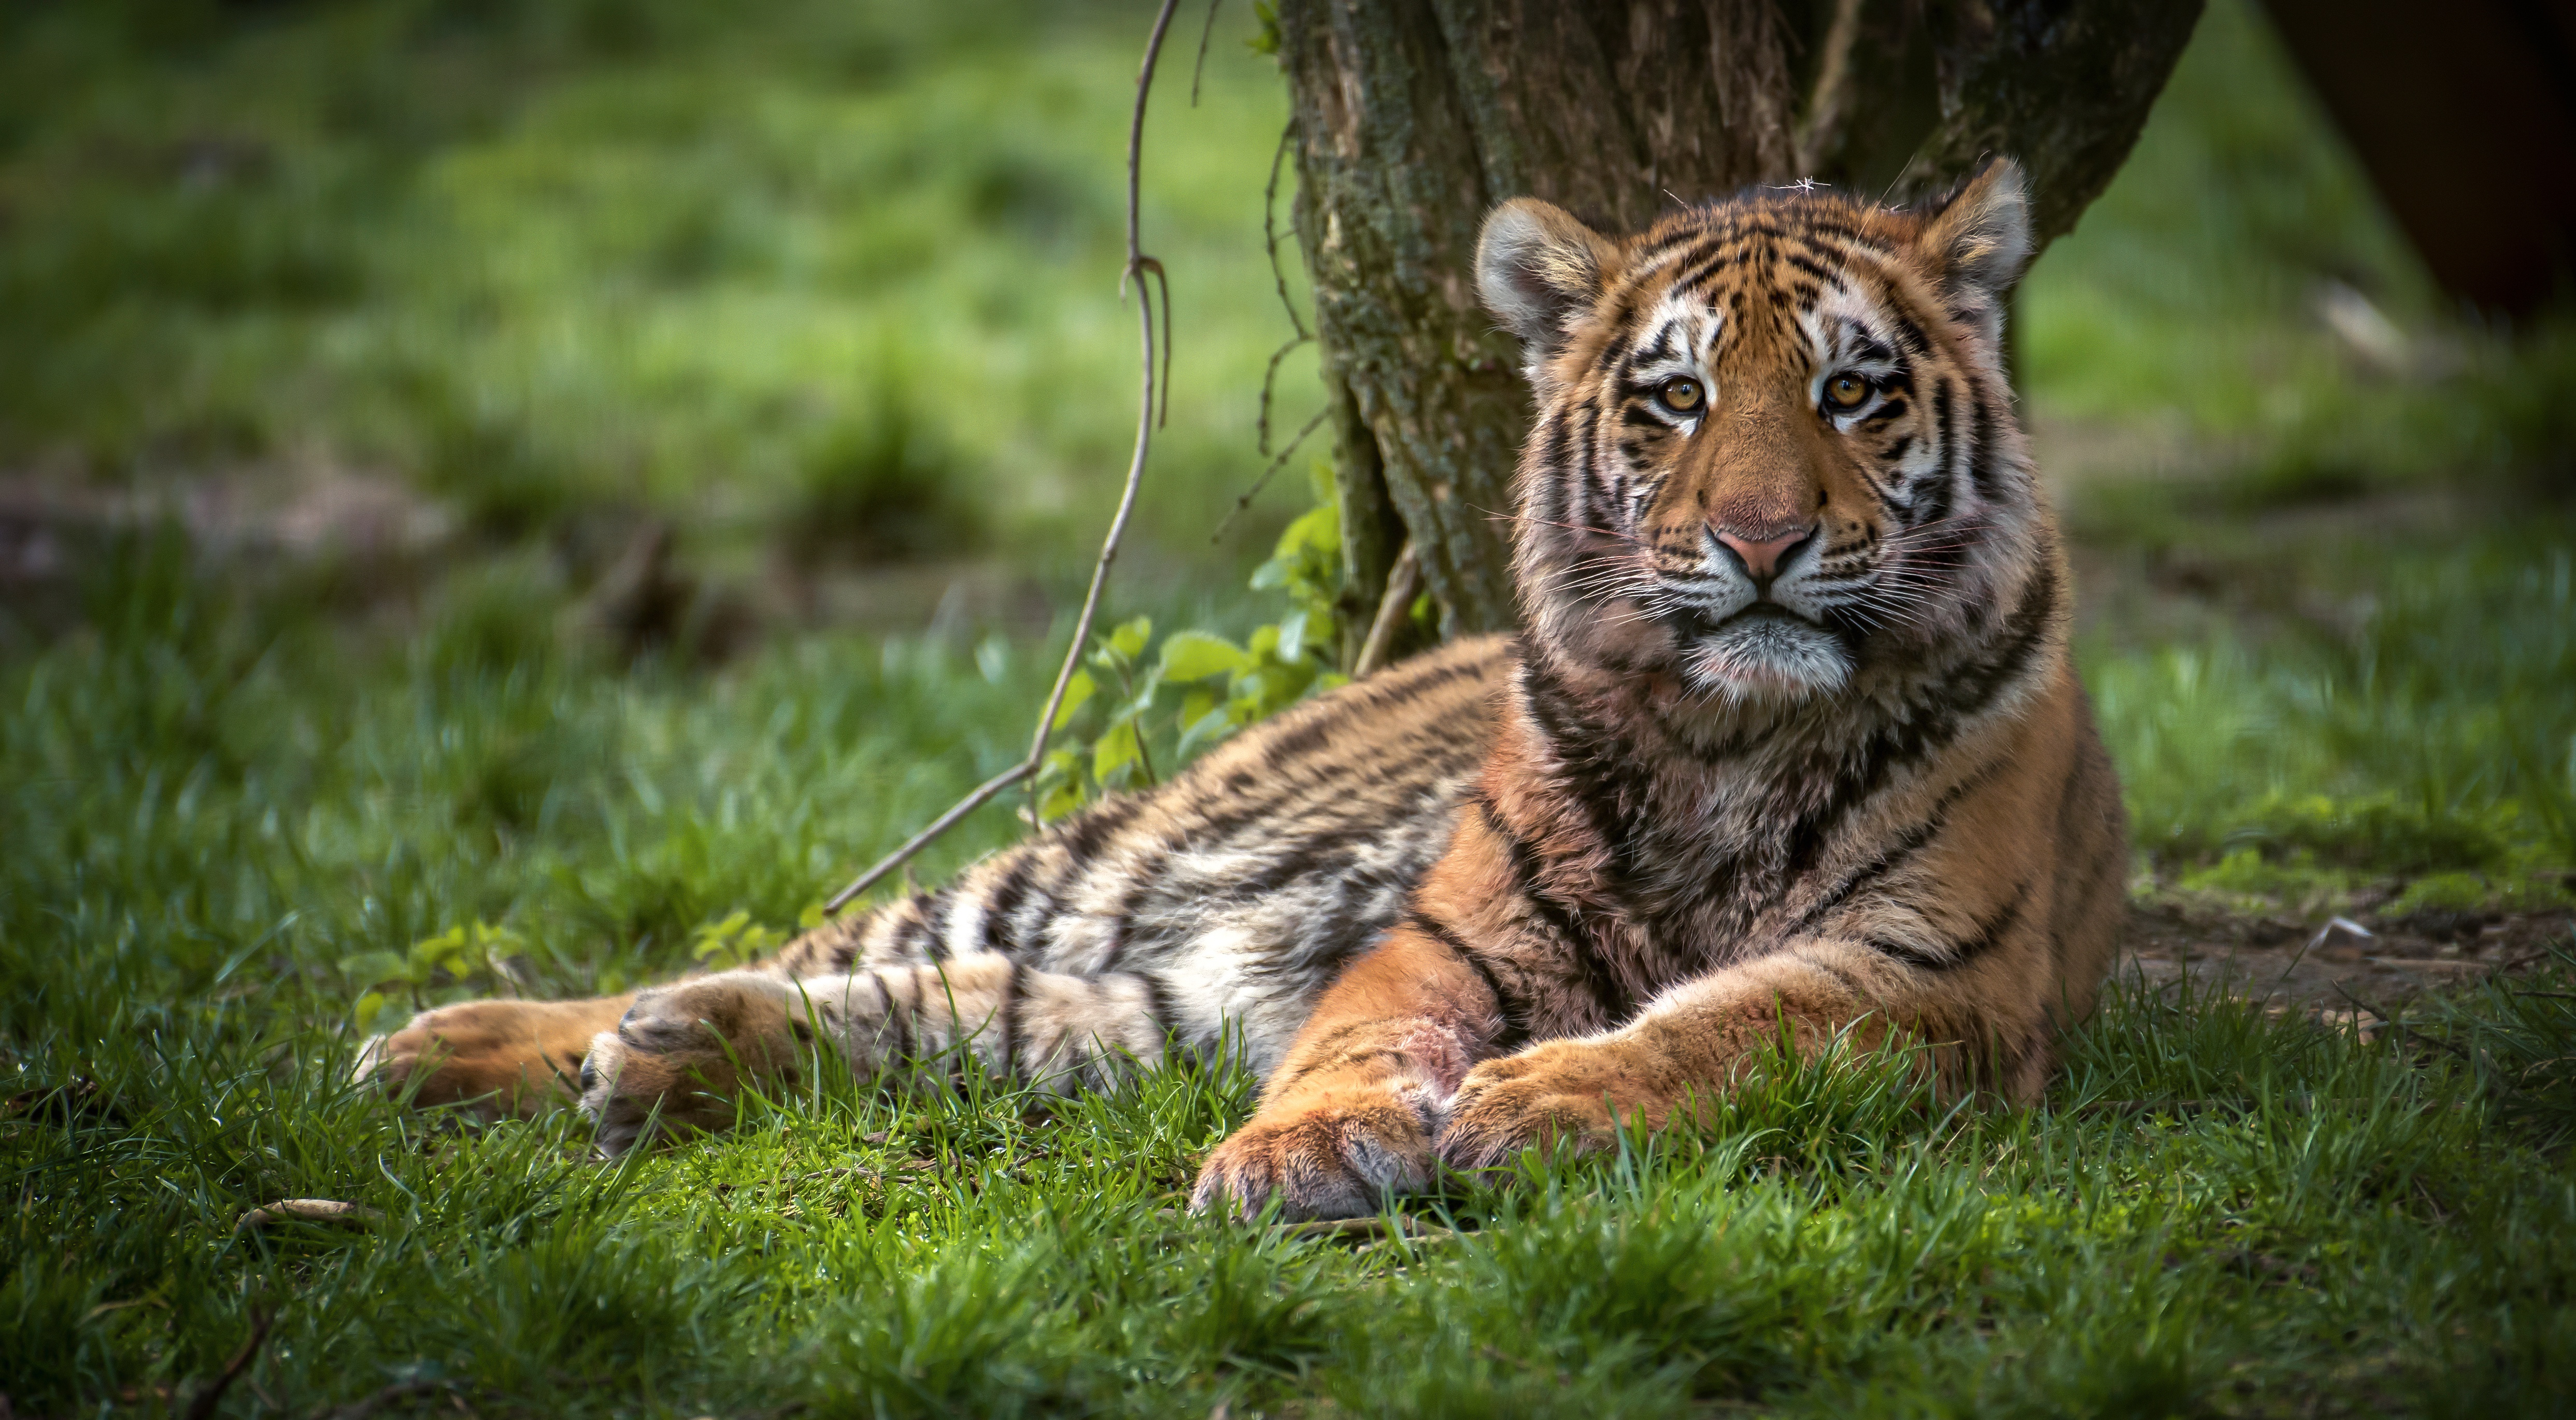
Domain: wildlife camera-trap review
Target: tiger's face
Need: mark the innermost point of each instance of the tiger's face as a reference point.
(1774, 444)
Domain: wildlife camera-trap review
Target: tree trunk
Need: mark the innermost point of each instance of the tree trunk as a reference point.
(1415, 117)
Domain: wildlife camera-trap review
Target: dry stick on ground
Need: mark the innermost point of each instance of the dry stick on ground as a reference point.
(1139, 267)
(204, 1405)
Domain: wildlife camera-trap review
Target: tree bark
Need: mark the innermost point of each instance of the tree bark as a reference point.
(1415, 117)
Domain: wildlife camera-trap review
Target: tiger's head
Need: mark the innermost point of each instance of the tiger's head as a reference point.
(1774, 450)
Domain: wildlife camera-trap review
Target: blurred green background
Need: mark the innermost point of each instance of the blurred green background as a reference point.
(354, 358)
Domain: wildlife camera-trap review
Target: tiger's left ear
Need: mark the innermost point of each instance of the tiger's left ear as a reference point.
(1979, 240)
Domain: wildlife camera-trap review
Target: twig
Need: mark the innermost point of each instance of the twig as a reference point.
(204, 1405)
(1245, 499)
(1370, 1228)
(308, 1210)
(1139, 267)
(1198, 71)
(1302, 335)
(1402, 582)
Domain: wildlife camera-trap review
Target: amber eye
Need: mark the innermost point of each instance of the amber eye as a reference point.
(1681, 394)
(1846, 391)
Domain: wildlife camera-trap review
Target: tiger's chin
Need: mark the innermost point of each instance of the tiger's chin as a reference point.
(1766, 658)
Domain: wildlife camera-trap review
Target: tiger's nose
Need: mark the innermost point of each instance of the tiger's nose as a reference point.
(1763, 556)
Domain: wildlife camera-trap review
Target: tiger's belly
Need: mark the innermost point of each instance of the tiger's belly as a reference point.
(1236, 892)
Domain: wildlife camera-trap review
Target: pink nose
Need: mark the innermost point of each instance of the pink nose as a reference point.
(1762, 557)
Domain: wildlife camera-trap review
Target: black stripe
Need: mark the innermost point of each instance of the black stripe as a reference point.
(1006, 899)
(1262, 814)
(1908, 334)
(1936, 505)
(1158, 1002)
(1506, 1005)
(1897, 853)
(906, 1046)
(1984, 470)
(1593, 761)
(1988, 935)
(1616, 1003)
(935, 925)
(1823, 275)
(1011, 1022)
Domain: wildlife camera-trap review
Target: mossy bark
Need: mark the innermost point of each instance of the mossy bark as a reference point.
(1414, 117)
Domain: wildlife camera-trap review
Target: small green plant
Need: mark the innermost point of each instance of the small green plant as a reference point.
(461, 961)
(1220, 686)
(737, 941)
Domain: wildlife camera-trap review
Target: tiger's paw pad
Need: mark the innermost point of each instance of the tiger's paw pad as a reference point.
(1333, 1161)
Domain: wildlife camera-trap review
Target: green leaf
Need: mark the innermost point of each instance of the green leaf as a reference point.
(1061, 800)
(1292, 636)
(368, 968)
(1116, 750)
(1076, 691)
(1212, 725)
(1195, 705)
(1196, 655)
(1130, 638)
(428, 952)
(370, 1006)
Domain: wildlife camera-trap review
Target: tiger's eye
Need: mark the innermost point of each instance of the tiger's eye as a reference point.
(1681, 393)
(1846, 391)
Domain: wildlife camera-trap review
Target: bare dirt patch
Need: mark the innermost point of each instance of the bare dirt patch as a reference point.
(2333, 965)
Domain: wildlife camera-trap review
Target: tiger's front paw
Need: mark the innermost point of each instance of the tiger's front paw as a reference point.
(1338, 1157)
(681, 1054)
(1560, 1093)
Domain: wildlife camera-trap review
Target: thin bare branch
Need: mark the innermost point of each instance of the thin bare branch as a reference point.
(1153, 401)
(1244, 500)
(1198, 71)
(207, 1399)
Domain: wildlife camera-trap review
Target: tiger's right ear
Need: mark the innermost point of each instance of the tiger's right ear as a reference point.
(1538, 267)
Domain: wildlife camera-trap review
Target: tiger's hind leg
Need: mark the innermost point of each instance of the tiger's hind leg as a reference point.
(684, 1052)
(499, 1058)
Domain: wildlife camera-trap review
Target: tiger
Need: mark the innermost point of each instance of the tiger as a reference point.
(1789, 749)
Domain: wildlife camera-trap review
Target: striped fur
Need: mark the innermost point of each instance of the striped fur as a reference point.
(1791, 743)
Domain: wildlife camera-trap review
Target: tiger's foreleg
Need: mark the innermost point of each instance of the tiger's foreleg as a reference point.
(685, 1052)
(1350, 1114)
(1693, 1043)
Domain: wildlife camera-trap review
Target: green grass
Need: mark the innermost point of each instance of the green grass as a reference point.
(2436, 738)
(827, 272)
(218, 802)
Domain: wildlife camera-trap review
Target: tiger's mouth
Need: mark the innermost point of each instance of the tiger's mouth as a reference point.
(1696, 623)
(1764, 651)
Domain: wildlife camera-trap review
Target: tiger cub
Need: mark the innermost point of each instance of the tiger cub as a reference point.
(1790, 742)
